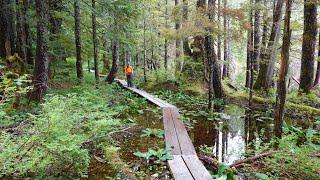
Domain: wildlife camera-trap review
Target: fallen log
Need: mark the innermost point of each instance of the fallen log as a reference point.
(251, 159)
(209, 162)
(213, 164)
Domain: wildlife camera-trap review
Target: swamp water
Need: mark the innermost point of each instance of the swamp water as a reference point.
(131, 141)
(231, 137)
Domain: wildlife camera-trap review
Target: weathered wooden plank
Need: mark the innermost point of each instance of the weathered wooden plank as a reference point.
(146, 95)
(198, 171)
(170, 134)
(185, 142)
(179, 169)
(185, 165)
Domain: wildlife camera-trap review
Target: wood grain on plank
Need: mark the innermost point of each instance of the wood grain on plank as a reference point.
(198, 171)
(179, 169)
(170, 134)
(185, 142)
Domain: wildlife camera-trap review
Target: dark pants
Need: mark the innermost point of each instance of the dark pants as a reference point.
(129, 80)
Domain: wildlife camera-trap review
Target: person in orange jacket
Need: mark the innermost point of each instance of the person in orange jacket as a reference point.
(129, 73)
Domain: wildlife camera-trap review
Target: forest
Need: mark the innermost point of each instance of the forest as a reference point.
(160, 89)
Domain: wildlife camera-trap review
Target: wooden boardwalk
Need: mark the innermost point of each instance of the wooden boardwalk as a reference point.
(185, 164)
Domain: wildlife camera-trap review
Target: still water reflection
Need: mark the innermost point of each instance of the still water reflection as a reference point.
(233, 136)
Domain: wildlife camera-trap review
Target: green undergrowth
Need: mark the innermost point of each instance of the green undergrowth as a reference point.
(295, 101)
(296, 158)
(56, 139)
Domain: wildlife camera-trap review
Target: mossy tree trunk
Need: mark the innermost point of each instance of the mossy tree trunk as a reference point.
(226, 52)
(95, 42)
(166, 40)
(257, 36)
(21, 35)
(2, 30)
(214, 70)
(77, 32)
(198, 52)
(249, 49)
(29, 53)
(317, 78)
(115, 61)
(40, 74)
(219, 35)
(266, 70)
(308, 46)
(283, 73)
(186, 47)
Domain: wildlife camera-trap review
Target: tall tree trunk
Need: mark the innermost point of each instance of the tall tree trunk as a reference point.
(257, 36)
(144, 49)
(178, 27)
(219, 35)
(210, 57)
(249, 50)
(214, 70)
(265, 28)
(179, 42)
(115, 61)
(105, 59)
(29, 53)
(198, 52)
(21, 35)
(2, 29)
(40, 74)
(10, 32)
(267, 63)
(317, 78)
(166, 40)
(77, 33)
(284, 64)
(95, 42)
(186, 48)
(308, 46)
(55, 6)
(225, 42)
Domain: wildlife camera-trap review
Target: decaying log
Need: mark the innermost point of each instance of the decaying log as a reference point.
(251, 159)
(209, 162)
(213, 164)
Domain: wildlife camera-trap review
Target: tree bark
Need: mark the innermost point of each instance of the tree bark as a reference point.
(257, 36)
(10, 28)
(265, 28)
(308, 46)
(40, 75)
(2, 30)
(166, 40)
(77, 32)
(21, 35)
(179, 43)
(55, 6)
(225, 42)
(317, 78)
(219, 35)
(95, 42)
(214, 70)
(198, 51)
(284, 65)
(115, 62)
(210, 56)
(265, 76)
(29, 53)
(186, 47)
(249, 49)
(144, 49)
